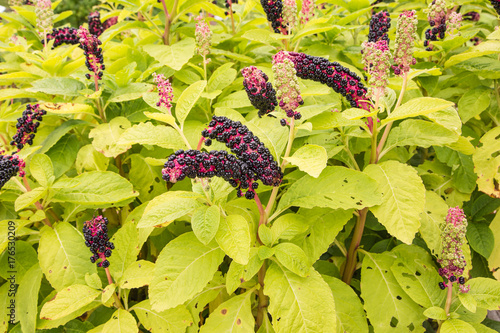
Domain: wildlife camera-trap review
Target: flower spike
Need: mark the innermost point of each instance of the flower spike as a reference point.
(287, 84)
(406, 33)
(260, 92)
(203, 36)
(96, 236)
(27, 126)
(376, 58)
(165, 91)
(93, 52)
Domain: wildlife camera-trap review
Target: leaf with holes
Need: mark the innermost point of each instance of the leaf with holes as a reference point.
(487, 163)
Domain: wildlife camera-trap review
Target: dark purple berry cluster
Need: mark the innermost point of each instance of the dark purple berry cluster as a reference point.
(27, 126)
(496, 5)
(379, 27)
(471, 16)
(228, 4)
(96, 236)
(93, 53)
(10, 165)
(436, 31)
(259, 90)
(246, 146)
(95, 25)
(334, 75)
(453, 279)
(63, 36)
(274, 13)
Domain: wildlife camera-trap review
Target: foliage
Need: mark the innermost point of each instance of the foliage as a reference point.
(343, 188)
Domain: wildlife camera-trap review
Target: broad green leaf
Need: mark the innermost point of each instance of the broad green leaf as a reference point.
(328, 120)
(418, 107)
(145, 178)
(480, 238)
(173, 320)
(183, 269)
(25, 258)
(48, 324)
(463, 176)
(106, 137)
(403, 198)
(336, 187)
(436, 312)
(265, 235)
(129, 92)
(57, 86)
(483, 48)
(67, 108)
(473, 102)
(59, 132)
(235, 100)
(467, 301)
(5, 303)
(94, 188)
(456, 326)
(494, 258)
(137, 274)
(27, 298)
(263, 36)
(126, 242)
(238, 273)
(293, 258)
(168, 207)
(68, 300)
(174, 56)
(388, 307)
(64, 153)
(266, 326)
(350, 314)
(487, 163)
(205, 223)
(107, 294)
(431, 217)
(290, 301)
(42, 170)
(89, 159)
(234, 315)
(486, 67)
(480, 328)
(222, 77)
(316, 26)
(121, 322)
(63, 256)
(486, 292)
(93, 280)
(288, 226)
(163, 117)
(448, 118)
(234, 238)
(415, 272)
(310, 159)
(29, 198)
(265, 252)
(273, 137)
(149, 134)
(188, 99)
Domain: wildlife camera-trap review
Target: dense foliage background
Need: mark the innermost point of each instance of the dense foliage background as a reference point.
(348, 242)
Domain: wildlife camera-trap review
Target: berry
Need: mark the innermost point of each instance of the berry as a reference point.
(379, 27)
(274, 13)
(27, 126)
(437, 20)
(95, 232)
(95, 25)
(283, 122)
(496, 5)
(471, 16)
(453, 278)
(10, 165)
(442, 286)
(63, 36)
(461, 280)
(260, 92)
(287, 83)
(92, 50)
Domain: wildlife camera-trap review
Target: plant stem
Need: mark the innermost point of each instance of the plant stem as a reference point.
(351, 260)
(167, 23)
(262, 213)
(231, 14)
(118, 304)
(449, 296)
(261, 312)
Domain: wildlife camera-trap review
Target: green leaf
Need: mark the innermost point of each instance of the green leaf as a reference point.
(234, 238)
(467, 301)
(59, 132)
(235, 100)
(64, 153)
(486, 292)
(337, 187)
(484, 66)
(448, 118)
(93, 280)
(265, 252)
(145, 178)
(350, 314)
(205, 223)
(487, 163)
(480, 328)
(57, 86)
(494, 258)
(29, 198)
(5, 300)
(89, 159)
(126, 242)
(149, 134)
(183, 269)
(163, 117)
(473, 102)
(106, 137)
(463, 176)
(238, 273)
(197, 304)
(129, 92)
(436, 312)
(174, 56)
(173, 320)
(316, 26)
(263, 36)
(222, 77)
(418, 107)
(290, 301)
(293, 258)
(94, 188)
(480, 238)
(41, 168)
(188, 99)
(433, 215)
(234, 315)
(288, 226)
(456, 326)
(68, 300)
(25, 258)
(388, 307)
(107, 293)
(63, 256)
(265, 235)
(403, 198)
(121, 322)
(27, 298)
(167, 207)
(274, 138)
(310, 159)
(137, 274)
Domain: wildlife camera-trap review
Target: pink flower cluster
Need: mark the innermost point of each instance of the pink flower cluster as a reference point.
(289, 14)
(44, 15)
(165, 91)
(454, 23)
(406, 33)
(376, 58)
(287, 84)
(307, 11)
(203, 36)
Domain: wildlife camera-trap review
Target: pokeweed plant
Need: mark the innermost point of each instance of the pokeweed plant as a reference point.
(245, 166)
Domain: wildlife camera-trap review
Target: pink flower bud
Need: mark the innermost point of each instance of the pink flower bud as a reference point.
(203, 36)
(406, 33)
(287, 84)
(165, 91)
(290, 14)
(376, 58)
(454, 23)
(44, 15)
(307, 11)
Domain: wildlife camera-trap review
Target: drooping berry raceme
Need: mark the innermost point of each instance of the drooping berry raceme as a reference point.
(307, 11)
(260, 92)
(247, 148)
(334, 75)
(203, 36)
(376, 58)
(287, 84)
(198, 164)
(436, 14)
(289, 15)
(406, 33)
(95, 25)
(110, 22)
(44, 16)
(452, 260)
(27, 126)
(496, 5)
(454, 23)
(471, 16)
(10, 166)
(96, 237)
(64, 36)
(165, 91)
(274, 13)
(379, 27)
(93, 53)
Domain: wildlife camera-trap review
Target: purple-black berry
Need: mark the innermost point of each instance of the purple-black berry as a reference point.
(274, 13)
(461, 280)
(453, 278)
(260, 92)
(63, 36)
(442, 286)
(379, 27)
(10, 165)
(27, 126)
(95, 232)
(496, 5)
